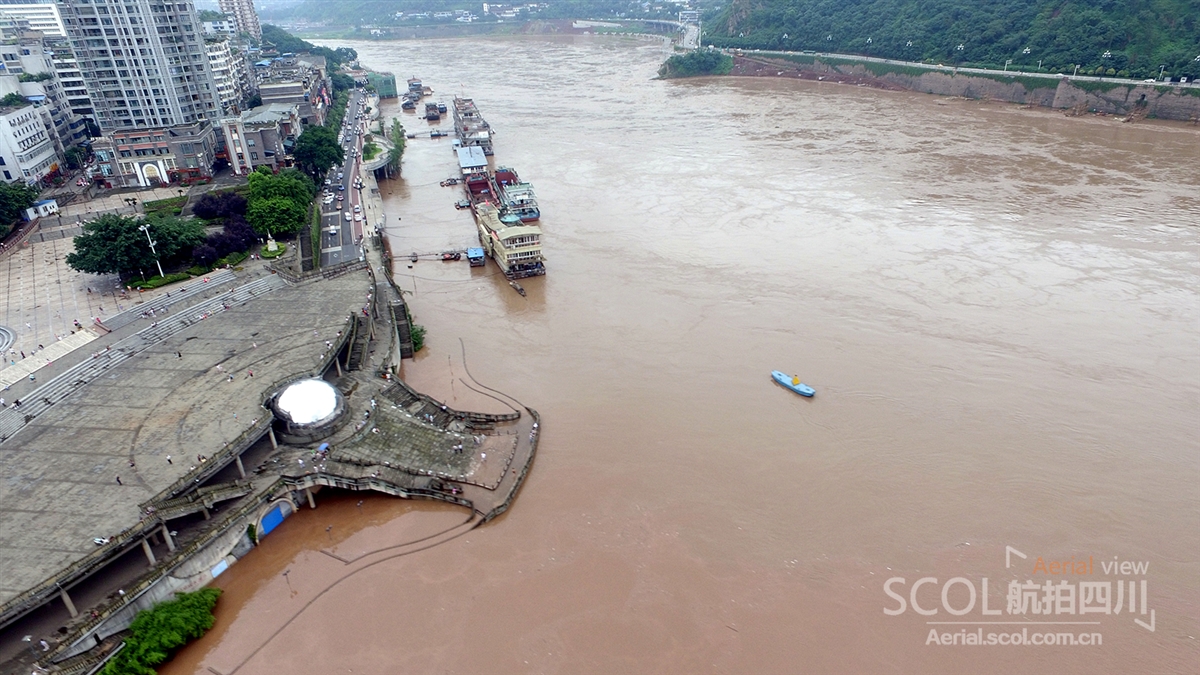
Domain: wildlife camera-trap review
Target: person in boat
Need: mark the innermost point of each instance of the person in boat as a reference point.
(795, 380)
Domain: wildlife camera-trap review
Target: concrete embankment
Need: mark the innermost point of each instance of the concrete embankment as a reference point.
(1113, 98)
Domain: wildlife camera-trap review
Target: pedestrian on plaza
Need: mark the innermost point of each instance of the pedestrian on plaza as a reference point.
(169, 460)
(119, 481)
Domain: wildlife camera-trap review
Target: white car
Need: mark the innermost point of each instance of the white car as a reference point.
(349, 217)
(357, 208)
(358, 217)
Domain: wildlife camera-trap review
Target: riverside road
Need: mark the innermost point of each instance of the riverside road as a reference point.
(341, 239)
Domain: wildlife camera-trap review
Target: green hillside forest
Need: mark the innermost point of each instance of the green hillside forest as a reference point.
(1129, 38)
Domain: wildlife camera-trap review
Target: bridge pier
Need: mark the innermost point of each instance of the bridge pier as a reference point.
(312, 503)
(238, 458)
(167, 538)
(149, 552)
(62, 593)
(271, 435)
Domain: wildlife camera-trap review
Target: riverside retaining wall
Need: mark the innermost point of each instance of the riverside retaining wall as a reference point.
(1156, 100)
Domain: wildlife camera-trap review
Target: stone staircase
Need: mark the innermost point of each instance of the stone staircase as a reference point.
(201, 500)
(35, 403)
(358, 344)
(185, 293)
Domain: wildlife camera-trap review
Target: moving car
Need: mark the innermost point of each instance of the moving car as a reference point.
(349, 217)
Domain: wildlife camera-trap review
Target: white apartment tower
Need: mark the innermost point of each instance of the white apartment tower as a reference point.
(42, 15)
(243, 14)
(144, 61)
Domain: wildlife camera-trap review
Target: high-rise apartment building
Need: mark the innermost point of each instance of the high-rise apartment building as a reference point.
(144, 62)
(243, 14)
(41, 15)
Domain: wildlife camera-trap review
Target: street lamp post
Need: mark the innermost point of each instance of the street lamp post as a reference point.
(146, 229)
(1160, 71)
(1006, 62)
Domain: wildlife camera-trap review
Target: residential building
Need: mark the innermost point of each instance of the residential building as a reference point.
(222, 27)
(144, 62)
(71, 78)
(263, 136)
(27, 69)
(223, 58)
(40, 15)
(296, 79)
(27, 148)
(243, 15)
(151, 157)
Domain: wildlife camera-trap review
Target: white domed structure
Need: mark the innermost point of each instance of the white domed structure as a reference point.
(310, 409)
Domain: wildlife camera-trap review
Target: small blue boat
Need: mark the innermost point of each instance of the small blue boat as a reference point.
(792, 383)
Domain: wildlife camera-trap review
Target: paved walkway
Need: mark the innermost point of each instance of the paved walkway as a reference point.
(42, 298)
(185, 386)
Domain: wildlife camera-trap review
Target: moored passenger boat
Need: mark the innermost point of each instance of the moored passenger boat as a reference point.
(515, 246)
(515, 195)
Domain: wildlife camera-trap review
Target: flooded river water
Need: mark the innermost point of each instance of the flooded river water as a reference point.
(997, 307)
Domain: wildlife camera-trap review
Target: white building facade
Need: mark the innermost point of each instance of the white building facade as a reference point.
(27, 150)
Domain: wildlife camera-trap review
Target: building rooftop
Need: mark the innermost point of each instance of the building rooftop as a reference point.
(269, 113)
(471, 157)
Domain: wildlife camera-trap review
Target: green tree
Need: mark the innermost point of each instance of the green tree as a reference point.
(265, 185)
(697, 62)
(14, 199)
(342, 82)
(275, 215)
(13, 99)
(317, 149)
(304, 178)
(396, 154)
(173, 236)
(75, 157)
(113, 244)
(157, 633)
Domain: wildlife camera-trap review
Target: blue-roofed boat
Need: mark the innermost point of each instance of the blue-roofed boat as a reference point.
(792, 383)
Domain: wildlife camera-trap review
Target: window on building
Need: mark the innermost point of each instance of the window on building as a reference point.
(7, 176)
(254, 155)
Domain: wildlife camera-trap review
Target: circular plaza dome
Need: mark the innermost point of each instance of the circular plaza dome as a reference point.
(308, 403)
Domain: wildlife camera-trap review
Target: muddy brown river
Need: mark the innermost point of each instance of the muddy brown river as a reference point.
(997, 307)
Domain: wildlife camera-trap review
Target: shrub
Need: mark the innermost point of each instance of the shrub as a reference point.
(220, 205)
(173, 205)
(204, 256)
(157, 633)
(280, 249)
(418, 337)
(158, 282)
(233, 259)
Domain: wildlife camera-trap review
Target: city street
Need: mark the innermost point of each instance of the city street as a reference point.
(340, 238)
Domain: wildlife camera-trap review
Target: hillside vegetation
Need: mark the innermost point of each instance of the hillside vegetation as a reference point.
(1132, 38)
